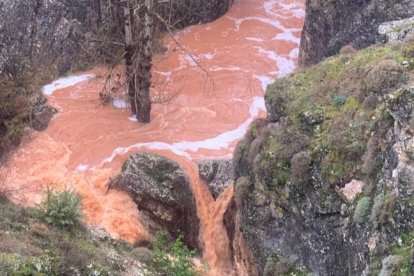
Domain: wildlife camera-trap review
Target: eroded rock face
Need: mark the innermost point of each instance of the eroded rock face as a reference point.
(291, 208)
(217, 174)
(397, 30)
(162, 192)
(330, 25)
(63, 32)
(43, 33)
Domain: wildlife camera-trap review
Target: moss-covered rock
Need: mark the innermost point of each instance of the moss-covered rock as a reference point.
(347, 118)
(161, 189)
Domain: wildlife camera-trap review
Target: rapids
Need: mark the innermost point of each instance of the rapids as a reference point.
(204, 116)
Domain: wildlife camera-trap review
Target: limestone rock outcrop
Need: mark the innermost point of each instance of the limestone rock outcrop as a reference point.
(216, 174)
(346, 120)
(331, 25)
(163, 194)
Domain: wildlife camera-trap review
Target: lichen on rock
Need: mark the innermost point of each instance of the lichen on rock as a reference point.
(162, 192)
(347, 118)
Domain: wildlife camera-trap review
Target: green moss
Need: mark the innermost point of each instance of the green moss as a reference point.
(277, 169)
(362, 210)
(325, 102)
(280, 146)
(404, 250)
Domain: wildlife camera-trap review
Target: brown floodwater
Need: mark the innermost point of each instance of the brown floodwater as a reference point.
(200, 112)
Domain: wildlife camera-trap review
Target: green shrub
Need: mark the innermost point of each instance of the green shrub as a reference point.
(171, 259)
(62, 210)
(361, 210)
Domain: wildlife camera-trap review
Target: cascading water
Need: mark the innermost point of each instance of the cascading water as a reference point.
(86, 143)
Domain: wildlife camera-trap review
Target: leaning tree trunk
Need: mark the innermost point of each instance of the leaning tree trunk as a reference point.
(129, 56)
(145, 60)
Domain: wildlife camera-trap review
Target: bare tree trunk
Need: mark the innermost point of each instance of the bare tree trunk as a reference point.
(129, 56)
(145, 63)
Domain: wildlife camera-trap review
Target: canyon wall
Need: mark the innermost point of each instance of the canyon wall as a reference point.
(324, 185)
(330, 25)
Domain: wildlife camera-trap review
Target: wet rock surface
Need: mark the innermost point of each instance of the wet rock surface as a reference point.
(290, 210)
(331, 25)
(163, 194)
(217, 174)
(45, 33)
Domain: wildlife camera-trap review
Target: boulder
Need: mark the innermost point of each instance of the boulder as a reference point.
(163, 194)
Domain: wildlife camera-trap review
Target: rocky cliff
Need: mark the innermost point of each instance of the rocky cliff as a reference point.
(330, 25)
(38, 40)
(325, 184)
(44, 33)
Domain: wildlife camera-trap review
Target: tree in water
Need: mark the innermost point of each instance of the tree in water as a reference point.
(138, 17)
(143, 111)
(138, 60)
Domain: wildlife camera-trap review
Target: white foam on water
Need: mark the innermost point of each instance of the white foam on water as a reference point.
(278, 8)
(254, 39)
(287, 36)
(182, 148)
(190, 60)
(162, 73)
(82, 168)
(229, 68)
(223, 140)
(296, 9)
(268, 6)
(294, 53)
(150, 145)
(284, 65)
(272, 55)
(208, 56)
(274, 23)
(61, 83)
(264, 81)
(133, 118)
(120, 103)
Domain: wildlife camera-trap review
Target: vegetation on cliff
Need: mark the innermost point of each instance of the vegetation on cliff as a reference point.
(329, 126)
(38, 41)
(51, 239)
(30, 245)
